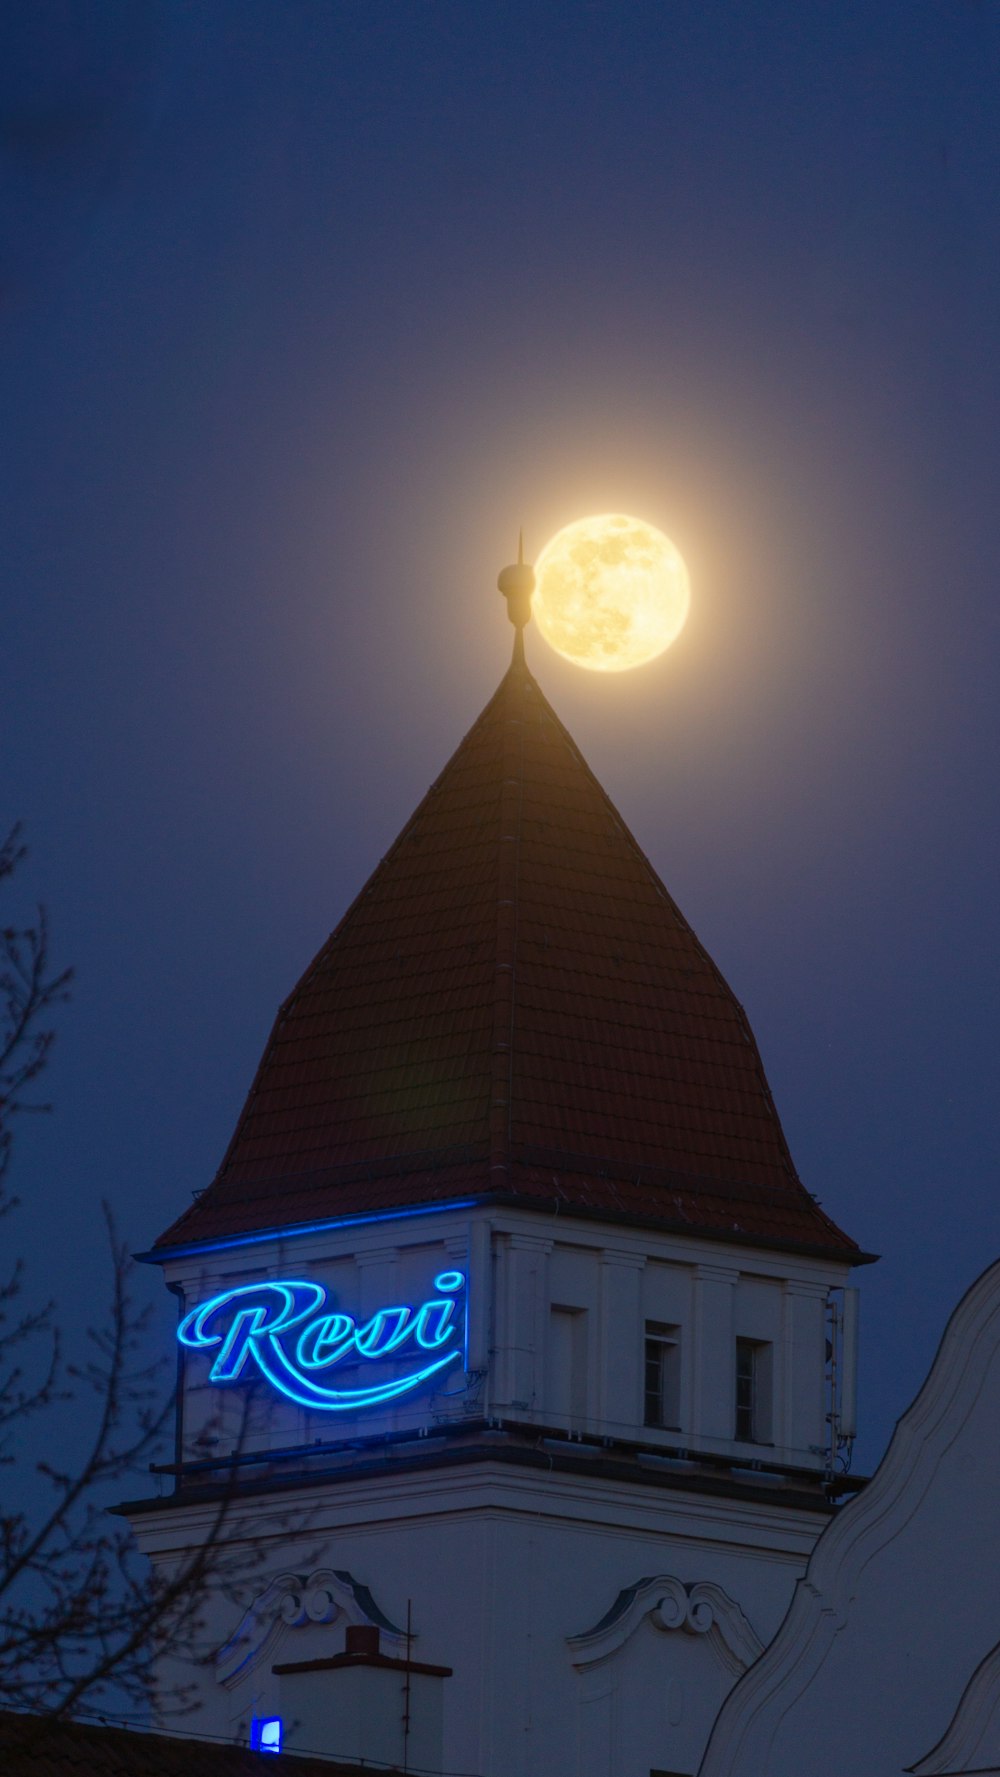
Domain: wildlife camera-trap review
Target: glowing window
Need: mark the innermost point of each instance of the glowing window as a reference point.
(265, 1733)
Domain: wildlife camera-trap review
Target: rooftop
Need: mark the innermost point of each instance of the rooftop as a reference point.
(42, 1746)
(514, 1009)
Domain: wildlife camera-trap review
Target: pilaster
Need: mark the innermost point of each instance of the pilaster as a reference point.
(801, 1424)
(713, 1370)
(522, 1304)
(620, 1345)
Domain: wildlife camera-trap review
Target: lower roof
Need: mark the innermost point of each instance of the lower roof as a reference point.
(45, 1746)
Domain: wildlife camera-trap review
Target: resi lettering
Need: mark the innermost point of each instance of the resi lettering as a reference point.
(278, 1330)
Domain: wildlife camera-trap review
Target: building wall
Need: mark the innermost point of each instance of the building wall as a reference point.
(505, 1574)
(597, 1584)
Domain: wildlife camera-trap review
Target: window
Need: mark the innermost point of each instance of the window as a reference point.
(567, 1366)
(662, 1376)
(753, 1391)
(265, 1733)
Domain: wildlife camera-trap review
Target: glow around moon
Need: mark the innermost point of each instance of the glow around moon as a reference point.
(611, 592)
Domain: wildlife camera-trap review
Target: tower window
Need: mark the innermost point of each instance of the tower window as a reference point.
(567, 1365)
(662, 1376)
(753, 1391)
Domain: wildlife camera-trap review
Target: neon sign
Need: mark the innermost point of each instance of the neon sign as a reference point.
(280, 1331)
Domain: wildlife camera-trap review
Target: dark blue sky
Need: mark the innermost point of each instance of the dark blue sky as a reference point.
(304, 308)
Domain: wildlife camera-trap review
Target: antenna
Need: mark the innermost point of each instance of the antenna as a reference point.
(407, 1685)
(847, 1417)
(842, 1307)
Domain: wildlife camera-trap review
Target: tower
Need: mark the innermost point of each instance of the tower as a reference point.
(504, 1322)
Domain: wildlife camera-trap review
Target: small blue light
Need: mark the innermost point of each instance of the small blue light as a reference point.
(265, 1733)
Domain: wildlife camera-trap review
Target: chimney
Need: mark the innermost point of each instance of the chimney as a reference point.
(362, 1638)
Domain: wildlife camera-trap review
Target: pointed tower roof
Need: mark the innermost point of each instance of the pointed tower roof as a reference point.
(514, 1009)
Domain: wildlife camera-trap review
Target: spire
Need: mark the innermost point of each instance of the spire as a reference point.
(517, 583)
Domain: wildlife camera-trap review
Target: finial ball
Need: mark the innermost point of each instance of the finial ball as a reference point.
(517, 583)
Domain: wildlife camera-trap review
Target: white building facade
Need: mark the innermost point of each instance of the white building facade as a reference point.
(508, 1332)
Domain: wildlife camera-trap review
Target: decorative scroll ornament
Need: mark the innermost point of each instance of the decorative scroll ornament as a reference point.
(293, 1601)
(700, 1609)
(280, 1330)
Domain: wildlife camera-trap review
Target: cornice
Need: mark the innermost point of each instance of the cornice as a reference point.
(703, 1608)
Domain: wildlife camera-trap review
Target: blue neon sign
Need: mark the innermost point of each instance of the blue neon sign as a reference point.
(288, 1333)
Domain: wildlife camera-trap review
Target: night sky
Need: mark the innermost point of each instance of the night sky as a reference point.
(304, 309)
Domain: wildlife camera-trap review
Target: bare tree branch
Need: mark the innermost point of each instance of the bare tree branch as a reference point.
(83, 1620)
(28, 993)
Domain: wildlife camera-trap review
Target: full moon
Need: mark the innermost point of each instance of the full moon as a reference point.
(611, 592)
